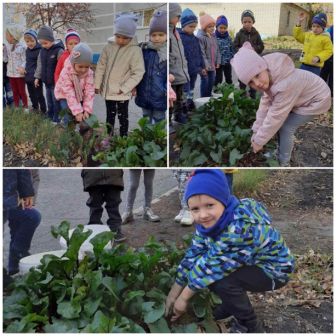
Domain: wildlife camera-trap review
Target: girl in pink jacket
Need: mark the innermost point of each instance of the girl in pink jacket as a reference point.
(291, 97)
(75, 86)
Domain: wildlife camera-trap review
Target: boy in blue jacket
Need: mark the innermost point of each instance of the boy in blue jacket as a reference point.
(192, 52)
(234, 250)
(152, 90)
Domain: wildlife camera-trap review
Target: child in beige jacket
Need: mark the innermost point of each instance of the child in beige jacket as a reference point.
(119, 70)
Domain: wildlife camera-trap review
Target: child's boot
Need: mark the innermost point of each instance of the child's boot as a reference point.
(254, 326)
(186, 219)
(150, 216)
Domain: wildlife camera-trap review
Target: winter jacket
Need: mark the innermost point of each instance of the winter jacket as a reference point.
(17, 183)
(253, 37)
(65, 89)
(291, 90)
(313, 45)
(178, 65)
(119, 69)
(100, 177)
(152, 90)
(249, 240)
(210, 50)
(226, 49)
(60, 64)
(47, 61)
(16, 59)
(192, 52)
(31, 62)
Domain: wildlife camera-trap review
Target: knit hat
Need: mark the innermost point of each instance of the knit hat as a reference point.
(71, 34)
(247, 63)
(80, 54)
(206, 20)
(45, 33)
(222, 20)
(188, 17)
(211, 182)
(16, 31)
(174, 10)
(32, 33)
(158, 22)
(248, 13)
(320, 19)
(125, 25)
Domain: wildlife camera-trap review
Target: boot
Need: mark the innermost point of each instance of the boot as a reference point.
(186, 219)
(150, 216)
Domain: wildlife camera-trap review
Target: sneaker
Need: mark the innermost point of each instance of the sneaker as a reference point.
(127, 217)
(179, 216)
(237, 328)
(26, 110)
(119, 237)
(150, 216)
(186, 219)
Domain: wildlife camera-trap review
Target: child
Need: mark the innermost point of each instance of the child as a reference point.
(291, 97)
(148, 213)
(152, 90)
(75, 87)
(226, 51)
(210, 53)
(250, 34)
(16, 64)
(177, 64)
(192, 52)
(71, 38)
(119, 70)
(317, 46)
(327, 70)
(32, 53)
(50, 53)
(234, 250)
(105, 186)
(7, 90)
(172, 94)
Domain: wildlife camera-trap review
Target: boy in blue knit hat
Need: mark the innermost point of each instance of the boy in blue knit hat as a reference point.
(192, 52)
(317, 46)
(234, 250)
(226, 50)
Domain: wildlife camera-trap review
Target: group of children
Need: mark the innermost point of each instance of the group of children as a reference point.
(125, 69)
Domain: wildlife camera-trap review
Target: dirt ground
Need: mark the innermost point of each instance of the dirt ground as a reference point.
(301, 204)
(12, 159)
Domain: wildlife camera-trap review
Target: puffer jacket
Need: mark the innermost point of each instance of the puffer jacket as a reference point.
(100, 177)
(253, 37)
(152, 90)
(313, 45)
(249, 240)
(291, 90)
(210, 50)
(119, 69)
(31, 62)
(16, 59)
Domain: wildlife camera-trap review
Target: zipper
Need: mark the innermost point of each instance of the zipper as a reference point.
(107, 81)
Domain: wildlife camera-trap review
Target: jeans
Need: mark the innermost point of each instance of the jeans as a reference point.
(286, 135)
(53, 105)
(314, 69)
(207, 83)
(109, 195)
(227, 70)
(22, 225)
(189, 87)
(182, 176)
(8, 99)
(177, 109)
(154, 116)
(114, 107)
(64, 106)
(36, 97)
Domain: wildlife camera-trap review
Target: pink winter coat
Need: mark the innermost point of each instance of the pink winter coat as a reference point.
(291, 90)
(65, 89)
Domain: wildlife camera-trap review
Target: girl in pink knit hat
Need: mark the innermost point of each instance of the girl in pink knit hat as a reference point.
(291, 97)
(210, 52)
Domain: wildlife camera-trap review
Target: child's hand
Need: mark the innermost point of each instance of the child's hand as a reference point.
(97, 91)
(256, 148)
(37, 82)
(120, 92)
(217, 66)
(180, 307)
(204, 72)
(79, 117)
(174, 292)
(171, 78)
(26, 202)
(21, 70)
(315, 60)
(134, 92)
(86, 115)
(301, 17)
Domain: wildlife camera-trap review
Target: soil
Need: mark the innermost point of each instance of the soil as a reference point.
(301, 204)
(12, 159)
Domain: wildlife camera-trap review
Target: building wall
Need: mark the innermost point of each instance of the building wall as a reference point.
(288, 18)
(10, 16)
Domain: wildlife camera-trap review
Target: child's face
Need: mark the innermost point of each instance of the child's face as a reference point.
(122, 40)
(174, 21)
(71, 44)
(158, 37)
(82, 68)
(9, 37)
(205, 210)
(190, 28)
(30, 41)
(317, 29)
(260, 82)
(222, 29)
(247, 23)
(210, 28)
(46, 44)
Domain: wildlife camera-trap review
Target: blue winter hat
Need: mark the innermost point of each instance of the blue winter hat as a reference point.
(188, 17)
(32, 33)
(222, 20)
(211, 182)
(320, 19)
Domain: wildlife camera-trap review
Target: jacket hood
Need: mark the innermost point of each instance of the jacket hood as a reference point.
(133, 42)
(37, 46)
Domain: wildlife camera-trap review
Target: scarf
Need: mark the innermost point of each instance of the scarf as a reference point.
(77, 87)
(222, 222)
(161, 50)
(221, 36)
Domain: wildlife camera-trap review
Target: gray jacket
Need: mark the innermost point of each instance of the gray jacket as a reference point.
(210, 50)
(178, 65)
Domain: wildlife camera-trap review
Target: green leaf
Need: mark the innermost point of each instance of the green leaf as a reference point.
(198, 160)
(91, 306)
(156, 294)
(235, 155)
(159, 326)
(210, 326)
(190, 328)
(100, 241)
(133, 294)
(61, 326)
(92, 121)
(62, 230)
(77, 239)
(155, 314)
(101, 323)
(69, 309)
(199, 310)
